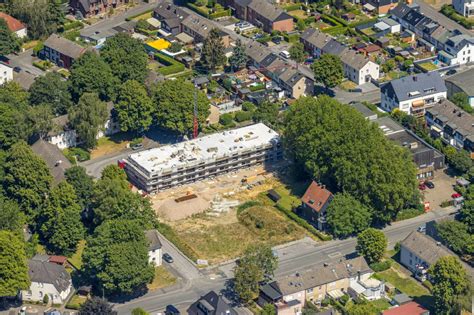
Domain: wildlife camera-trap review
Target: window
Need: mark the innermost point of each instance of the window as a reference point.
(309, 290)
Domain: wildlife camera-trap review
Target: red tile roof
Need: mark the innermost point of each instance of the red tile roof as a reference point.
(13, 24)
(60, 260)
(316, 196)
(411, 308)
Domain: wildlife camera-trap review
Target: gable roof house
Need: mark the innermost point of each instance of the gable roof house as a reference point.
(199, 28)
(6, 73)
(413, 94)
(257, 53)
(14, 25)
(89, 8)
(315, 201)
(47, 278)
(154, 247)
(294, 83)
(464, 7)
(289, 293)
(61, 51)
(267, 16)
(462, 83)
(383, 6)
(211, 304)
(358, 68)
(54, 158)
(458, 50)
(170, 17)
(314, 40)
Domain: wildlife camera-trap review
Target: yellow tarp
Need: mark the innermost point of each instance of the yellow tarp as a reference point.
(159, 44)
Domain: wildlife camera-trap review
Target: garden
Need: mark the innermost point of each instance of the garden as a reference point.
(208, 8)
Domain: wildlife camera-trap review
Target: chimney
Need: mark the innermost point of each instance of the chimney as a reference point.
(409, 2)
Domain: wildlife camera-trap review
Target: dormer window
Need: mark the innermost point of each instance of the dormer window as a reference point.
(414, 93)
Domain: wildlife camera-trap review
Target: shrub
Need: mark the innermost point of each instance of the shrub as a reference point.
(43, 64)
(408, 214)
(246, 205)
(243, 116)
(217, 15)
(46, 299)
(72, 25)
(73, 153)
(248, 107)
(172, 66)
(39, 47)
(226, 119)
(381, 266)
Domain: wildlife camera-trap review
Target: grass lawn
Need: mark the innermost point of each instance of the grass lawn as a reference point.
(108, 145)
(402, 282)
(163, 278)
(144, 16)
(381, 304)
(76, 258)
(428, 66)
(347, 85)
(299, 14)
(30, 44)
(76, 301)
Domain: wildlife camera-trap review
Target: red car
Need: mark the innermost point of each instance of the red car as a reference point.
(456, 195)
(422, 186)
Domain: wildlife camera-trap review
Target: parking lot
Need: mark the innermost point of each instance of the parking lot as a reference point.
(442, 191)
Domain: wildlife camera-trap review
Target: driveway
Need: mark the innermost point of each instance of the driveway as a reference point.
(442, 191)
(25, 61)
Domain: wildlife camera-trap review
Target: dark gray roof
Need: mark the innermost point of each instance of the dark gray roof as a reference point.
(425, 247)
(452, 115)
(51, 154)
(424, 83)
(200, 25)
(315, 37)
(464, 80)
(353, 59)
(256, 51)
(402, 298)
(46, 272)
(211, 304)
(400, 10)
(271, 291)
(364, 110)
(153, 239)
(334, 47)
(64, 46)
(268, 10)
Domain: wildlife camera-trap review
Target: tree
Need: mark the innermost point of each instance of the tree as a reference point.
(371, 244)
(11, 217)
(11, 93)
(460, 160)
(328, 70)
(90, 74)
(461, 99)
(300, 25)
(268, 309)
(262, 256)
(8, 40)
(113, 172)
(239, 58)
(13, 264)
(338, 147)
(27, 178)
(61, 227)
(88, 118)
(267, 112)
(51, 89)
(175, 47)
(467, 211)
(139, 311)
(175, 104)
(347, 216)
(212, 55)
(13, 125)
(456, 235)
(116, 257)
(450, 284)
(40, 120)
(246, 280)
(83, 184)
(95, 306)
(361, 309)
(126, 57)
(134, 107)
(297, 52)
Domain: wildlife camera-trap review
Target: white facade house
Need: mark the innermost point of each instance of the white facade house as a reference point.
(370, 288)
(15, 26)
(358, 68)
(389, 24)
(6, 73)
(47, 278)
(458, 50)
(413, 94)
(154, 247)
(464, 7)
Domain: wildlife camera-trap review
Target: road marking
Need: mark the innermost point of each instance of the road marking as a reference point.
(334, 255)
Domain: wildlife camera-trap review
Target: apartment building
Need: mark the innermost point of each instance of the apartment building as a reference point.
(452, 125)
(413, 94)
(464, 7)
(89, 8)
(189, 161)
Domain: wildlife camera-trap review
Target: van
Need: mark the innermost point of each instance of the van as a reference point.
(285, 54)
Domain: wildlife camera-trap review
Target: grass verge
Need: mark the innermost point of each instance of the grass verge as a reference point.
(163, 278)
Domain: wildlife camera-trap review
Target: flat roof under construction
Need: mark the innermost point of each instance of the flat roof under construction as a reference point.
(204, 149)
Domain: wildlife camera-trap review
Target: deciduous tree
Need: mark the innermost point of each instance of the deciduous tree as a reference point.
(11, 93)
(212, 55)
(175, 106)
(13, 126)
(88, 118)
(126, 57)
(13, 264)
(51, 89)
(267, 112)
(83, 184)
(134, 107)
(456, 235)
(328, 70)
(11, 217)
(95, 306)
(371, 244)
(347, 216)
(40, 120)
(8, 41)
(297, 52)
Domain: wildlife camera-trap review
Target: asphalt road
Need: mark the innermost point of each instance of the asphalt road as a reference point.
(295, 257)
(25, 60)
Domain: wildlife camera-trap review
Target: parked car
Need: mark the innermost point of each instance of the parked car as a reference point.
(422, 186)
(167, 257)
(422, 229)
(430, 184)
(171, 310)
(17, 69)
(456, 195)
(137, 146)
(451, 72)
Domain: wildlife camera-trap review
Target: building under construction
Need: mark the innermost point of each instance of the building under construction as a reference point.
(189, 161)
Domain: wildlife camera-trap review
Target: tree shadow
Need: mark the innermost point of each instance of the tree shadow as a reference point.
(7, 303)
(229, 293)
(427, 301)
(123, 298)
(321, 90)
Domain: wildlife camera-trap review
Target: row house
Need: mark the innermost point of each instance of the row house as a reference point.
(90, 8)
(170, 17)
(262, 14)
(458, 50)
(61, 51)
(289, 293)
(413, 94)
(382, 6)
(14, 25)
(452, 125)
(199, 28)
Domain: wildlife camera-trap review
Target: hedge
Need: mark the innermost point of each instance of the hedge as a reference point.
(291, 38)
(172, 66)
(72, 25)
(138, 14)
(199, 10)
(329, 19)
(381, 266)
(217, 15)
(242, 116)
(453, 15)
(292, 7)
(171, 235)
(72, 153)
(335, 30)
(43, 64)
(302, 222)
(355, 24)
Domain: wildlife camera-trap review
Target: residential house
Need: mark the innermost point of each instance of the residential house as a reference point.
(315, 201)
(419, 251)
(382, 6)
(238, 7)
(268, 17)
(358, 68)
(257, 53)
(211, 304)
(410, 308)
(199, 28)
(6, 73)
(154, 247)
(90, 8)
(426, 158)
(295, 83)
(170, 16)
(289, 293)
(14, 25)
(413, 94)
(458, 50)
(462, 83)
(389, 25)
(464, 7)
(452, 125)
(314, 40)
(47, 278)
(54, 158)
(61, 51)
